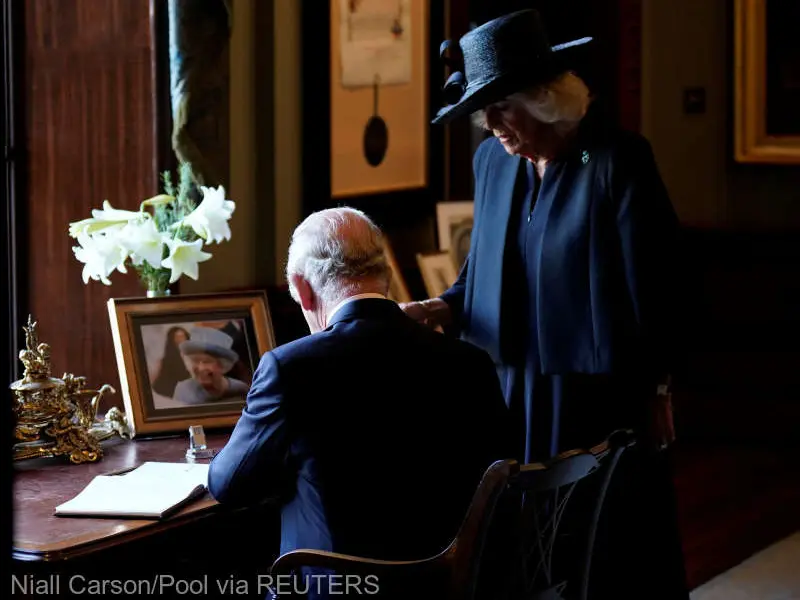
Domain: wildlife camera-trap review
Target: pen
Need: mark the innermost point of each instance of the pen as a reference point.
(121, 471)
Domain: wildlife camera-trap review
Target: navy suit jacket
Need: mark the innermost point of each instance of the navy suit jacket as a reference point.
(607, 276)
(382, 428)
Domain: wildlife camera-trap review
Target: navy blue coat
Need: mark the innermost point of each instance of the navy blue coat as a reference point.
(380, 427)
(601, 261)
(606, 272)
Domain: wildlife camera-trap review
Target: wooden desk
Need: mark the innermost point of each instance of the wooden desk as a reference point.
(204, 541)
(42, 484)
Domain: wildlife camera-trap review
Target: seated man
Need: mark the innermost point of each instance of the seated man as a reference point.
(382, 426)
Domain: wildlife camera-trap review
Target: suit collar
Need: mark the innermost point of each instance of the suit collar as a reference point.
(366, 308)
(341, 304)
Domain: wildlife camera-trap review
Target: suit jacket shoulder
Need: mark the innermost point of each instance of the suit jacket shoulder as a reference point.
(331, 342)
(308, 345)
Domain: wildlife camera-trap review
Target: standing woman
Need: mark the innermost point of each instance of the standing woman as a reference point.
(569, 283)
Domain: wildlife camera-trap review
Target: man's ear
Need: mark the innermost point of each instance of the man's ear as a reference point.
(308, 299)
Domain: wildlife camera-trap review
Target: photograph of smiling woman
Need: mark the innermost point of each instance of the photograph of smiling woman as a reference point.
(209, 358)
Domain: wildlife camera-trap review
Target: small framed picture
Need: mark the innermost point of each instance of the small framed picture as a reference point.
(454, 223)
(398, 290)
(188, 359)
(438, 272)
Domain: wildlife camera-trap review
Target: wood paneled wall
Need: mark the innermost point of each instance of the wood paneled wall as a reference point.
(739, 381)
(629, 74)
(89, 99)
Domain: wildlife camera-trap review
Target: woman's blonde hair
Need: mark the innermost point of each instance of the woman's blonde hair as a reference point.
(562, 102)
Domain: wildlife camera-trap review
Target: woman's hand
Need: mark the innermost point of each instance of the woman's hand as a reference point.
(434, 312)
(415, 310)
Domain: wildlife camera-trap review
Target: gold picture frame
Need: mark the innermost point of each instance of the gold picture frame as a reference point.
(398, 290)
(402, 106)
(188, 359)
(454, 224)
(766, 81)
(438, 272)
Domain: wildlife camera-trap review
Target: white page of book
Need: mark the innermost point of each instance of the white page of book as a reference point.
(148, 491)
(195, 473)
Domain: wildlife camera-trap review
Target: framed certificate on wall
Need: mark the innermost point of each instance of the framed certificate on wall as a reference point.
(378, 96)
(372, 79)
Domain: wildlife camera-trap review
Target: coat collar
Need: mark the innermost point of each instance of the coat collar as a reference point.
(366, 308)
(341, 304)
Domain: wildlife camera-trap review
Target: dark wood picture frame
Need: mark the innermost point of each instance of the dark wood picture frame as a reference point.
(395, 207)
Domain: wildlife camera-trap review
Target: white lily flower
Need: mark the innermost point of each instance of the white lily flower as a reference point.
(101, 254)
(183, 258)
(144, 241)
(92, 226)
(210, 219)
(108, 218)
(111, 214)
(111, 236)
(94, 264)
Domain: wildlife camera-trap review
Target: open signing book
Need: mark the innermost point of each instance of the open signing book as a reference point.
(150, 491)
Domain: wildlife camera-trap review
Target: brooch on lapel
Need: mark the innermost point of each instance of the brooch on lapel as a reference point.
(585, 157)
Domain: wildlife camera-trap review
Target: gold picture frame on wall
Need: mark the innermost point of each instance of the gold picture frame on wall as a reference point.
(387, 118)
(438, 272)
(454, 222)
(188, 359)
(344, 114)
(398, 290)
(767, 82)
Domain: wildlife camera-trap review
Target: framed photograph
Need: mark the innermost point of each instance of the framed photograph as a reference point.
(454, 223)
(438, 272)
(379, 96)
(371, 80)
(188, 359)
(398, 290)
(767, 82)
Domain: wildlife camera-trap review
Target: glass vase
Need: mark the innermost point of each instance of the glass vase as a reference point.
(158, 293)
(155, 282)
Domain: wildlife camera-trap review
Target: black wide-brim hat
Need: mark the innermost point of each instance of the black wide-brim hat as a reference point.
(501, 57)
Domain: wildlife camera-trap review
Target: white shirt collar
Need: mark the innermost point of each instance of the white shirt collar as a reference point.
(350, 299)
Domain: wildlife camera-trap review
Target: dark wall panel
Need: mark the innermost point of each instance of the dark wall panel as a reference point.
(90, 137)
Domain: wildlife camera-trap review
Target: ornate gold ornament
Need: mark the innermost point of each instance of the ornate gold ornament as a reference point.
(58, 417)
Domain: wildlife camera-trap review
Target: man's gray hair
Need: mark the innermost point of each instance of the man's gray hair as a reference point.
(562, 102)
(337, 250)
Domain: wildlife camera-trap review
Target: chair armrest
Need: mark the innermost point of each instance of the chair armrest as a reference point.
(392, 579)
(290, 561)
